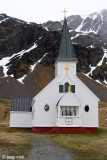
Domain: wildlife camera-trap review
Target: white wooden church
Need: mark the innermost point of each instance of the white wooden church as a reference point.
(65, 106)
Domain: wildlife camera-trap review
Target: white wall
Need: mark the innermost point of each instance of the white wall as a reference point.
(86, 97)
(50, 95)
(20, 119)
(60, 71)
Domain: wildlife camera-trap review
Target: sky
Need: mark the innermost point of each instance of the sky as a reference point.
(40, 11)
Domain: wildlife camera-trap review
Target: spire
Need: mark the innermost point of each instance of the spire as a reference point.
(66, 50)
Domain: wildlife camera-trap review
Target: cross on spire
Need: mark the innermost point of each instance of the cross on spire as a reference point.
(64, 12)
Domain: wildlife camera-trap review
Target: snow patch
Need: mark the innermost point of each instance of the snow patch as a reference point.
(92, 69)
(75, 36)
(92, 46)
(105, 55)
(32, 67)
(101, 16)
(42, 58)
(78, 29)
(4, 20)
(33, 47)
(101, 83)
(90, 31)
(1, 15)
(70, 30)
(46, 28)
(70, 19)
(21, 79)
(20, 21)
(95, 80)
(99, 64)
(93, 16)
(6, 60)
(78, 34)
(40, 37)
(105, 81)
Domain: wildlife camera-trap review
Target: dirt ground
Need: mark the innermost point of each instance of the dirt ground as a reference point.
(45, 150)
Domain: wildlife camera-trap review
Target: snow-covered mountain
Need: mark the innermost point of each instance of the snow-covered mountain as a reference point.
(25, 46)
(95, 22)
(89, 31)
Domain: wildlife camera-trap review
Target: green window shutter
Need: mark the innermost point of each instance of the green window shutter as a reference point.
(60, 88)
(73, 88)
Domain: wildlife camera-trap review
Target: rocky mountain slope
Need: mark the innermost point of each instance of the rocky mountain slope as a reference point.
(95, 23)
(89, 31)
(28, 52)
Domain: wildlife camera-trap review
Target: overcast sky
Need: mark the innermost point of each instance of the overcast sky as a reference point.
(43, 10)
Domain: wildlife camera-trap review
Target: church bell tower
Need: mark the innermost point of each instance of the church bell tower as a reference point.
(66, 61)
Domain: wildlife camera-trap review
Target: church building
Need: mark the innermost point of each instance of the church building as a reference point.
(66, 105)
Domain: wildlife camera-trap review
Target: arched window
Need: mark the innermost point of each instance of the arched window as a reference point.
(66, 86)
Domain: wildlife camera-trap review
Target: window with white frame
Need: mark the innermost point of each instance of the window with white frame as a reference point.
(69, 111)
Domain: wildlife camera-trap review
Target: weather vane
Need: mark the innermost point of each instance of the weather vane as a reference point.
(64, 12)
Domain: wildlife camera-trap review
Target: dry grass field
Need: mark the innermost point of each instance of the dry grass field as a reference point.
(103, 115)
(13, 142)
(85, 147)
(4, 112)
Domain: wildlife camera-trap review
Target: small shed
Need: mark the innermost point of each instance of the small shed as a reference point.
(21, 113)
